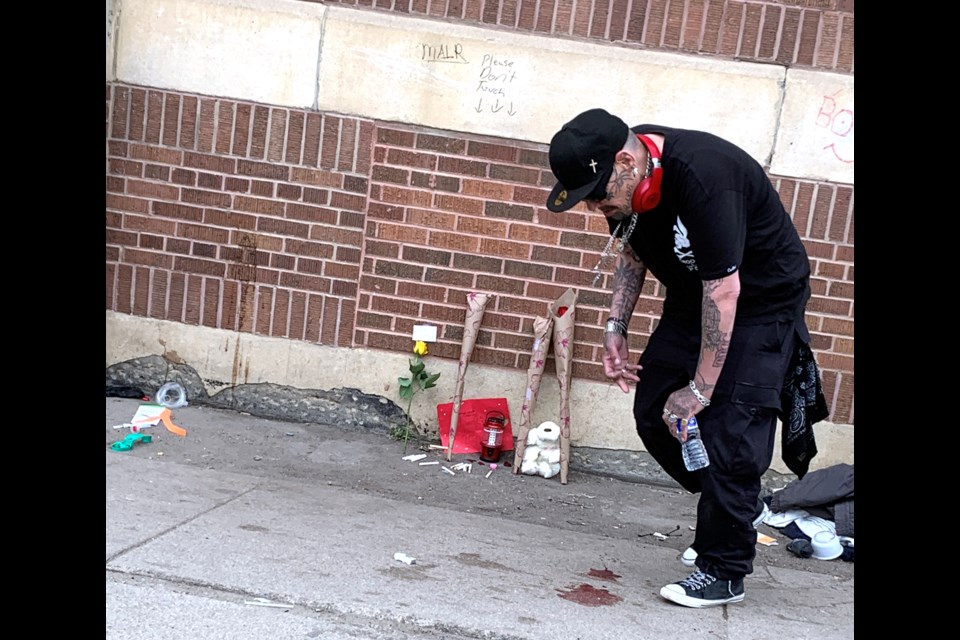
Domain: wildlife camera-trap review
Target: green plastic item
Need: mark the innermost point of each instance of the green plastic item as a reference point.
(127, 443)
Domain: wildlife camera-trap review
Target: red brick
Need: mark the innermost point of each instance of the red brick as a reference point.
(789, 33)
(769, 30)
(188, 122)
(171, 119)
(120, 112)
(331, 137)
(211, 299)
(693, 25)
(432, 219)
(809, 30)
(348, 145)
(136, 120)
(845, 53)
(828, 41)
(751, 31)
(673, 24)
(225, 117)
(258, 205)
(154, 123)
(141, 290)
(259, 131)
(545, 16)
(295, 135)
(158, 295)
(277, 134)
(481, 226)
(581, 19)
(282, 227)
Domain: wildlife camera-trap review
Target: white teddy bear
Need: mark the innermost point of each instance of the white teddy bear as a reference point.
(542, 453)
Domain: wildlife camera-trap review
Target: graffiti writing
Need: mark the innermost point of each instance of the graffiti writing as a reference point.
(837, 118)
(497, 73)
(443, 53)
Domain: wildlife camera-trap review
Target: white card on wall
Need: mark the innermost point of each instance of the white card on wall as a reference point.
(425, 332)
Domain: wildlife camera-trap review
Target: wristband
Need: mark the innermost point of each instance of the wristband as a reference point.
(616, 325)
(700, 397)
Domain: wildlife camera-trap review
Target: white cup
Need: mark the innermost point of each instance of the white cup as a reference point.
(826, 546)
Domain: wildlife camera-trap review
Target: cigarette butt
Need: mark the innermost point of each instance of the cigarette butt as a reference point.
(423, 464)
(450, 471)
(488, 473)
(438, 446)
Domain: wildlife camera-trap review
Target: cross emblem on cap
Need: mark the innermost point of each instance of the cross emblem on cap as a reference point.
(593, 165)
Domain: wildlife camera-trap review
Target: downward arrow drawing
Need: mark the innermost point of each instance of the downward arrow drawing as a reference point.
(497, 108)
(479, 105)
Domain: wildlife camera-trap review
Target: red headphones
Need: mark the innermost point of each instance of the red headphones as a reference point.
(647, 194)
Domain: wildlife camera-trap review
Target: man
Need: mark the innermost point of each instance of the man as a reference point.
(703, 217)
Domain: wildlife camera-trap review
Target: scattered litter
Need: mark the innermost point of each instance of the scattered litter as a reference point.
(172, 395)
(414, 457)
(402, 557)
(450, 471)
(263, 602)
(493, 468)
(149, 415)
(423, 464)
(766, 540)
(127, 443)
(661, 536)
(463, 466)
(438, 446)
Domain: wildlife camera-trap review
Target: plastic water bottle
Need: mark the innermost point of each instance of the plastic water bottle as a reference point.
(694, 453)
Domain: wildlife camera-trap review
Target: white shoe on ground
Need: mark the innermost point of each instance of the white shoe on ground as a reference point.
(689, 556)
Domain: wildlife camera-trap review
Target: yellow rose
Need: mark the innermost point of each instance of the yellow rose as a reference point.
(420, 348)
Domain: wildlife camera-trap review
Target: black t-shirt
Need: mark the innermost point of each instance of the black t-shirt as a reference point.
(719, 213)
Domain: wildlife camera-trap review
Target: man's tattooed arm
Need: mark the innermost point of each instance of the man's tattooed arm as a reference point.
(719, 310)
(628, 277)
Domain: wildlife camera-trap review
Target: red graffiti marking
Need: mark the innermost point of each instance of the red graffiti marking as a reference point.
(603, 574)
(840, 123)
(589, 596)
(833, 148)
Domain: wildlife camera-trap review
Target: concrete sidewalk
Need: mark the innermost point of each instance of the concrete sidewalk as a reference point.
(199, 552)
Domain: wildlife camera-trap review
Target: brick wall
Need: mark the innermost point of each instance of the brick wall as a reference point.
(345, 232)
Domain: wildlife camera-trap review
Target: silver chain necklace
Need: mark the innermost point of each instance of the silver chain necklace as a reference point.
(621, 243)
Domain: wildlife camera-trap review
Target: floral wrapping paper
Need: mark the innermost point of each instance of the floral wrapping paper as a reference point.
(476, 305)
(563, 323)
(542, 328)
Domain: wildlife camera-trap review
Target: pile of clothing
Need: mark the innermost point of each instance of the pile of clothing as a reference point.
(822, 500)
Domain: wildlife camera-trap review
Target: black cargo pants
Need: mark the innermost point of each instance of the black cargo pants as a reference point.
(738, 430)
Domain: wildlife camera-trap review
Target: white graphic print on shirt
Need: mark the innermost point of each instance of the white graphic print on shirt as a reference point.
(681, 246)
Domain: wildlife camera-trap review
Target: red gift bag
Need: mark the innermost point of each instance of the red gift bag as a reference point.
(473, 413)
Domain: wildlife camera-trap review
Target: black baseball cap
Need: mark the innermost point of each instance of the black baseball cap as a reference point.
(582, 155)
